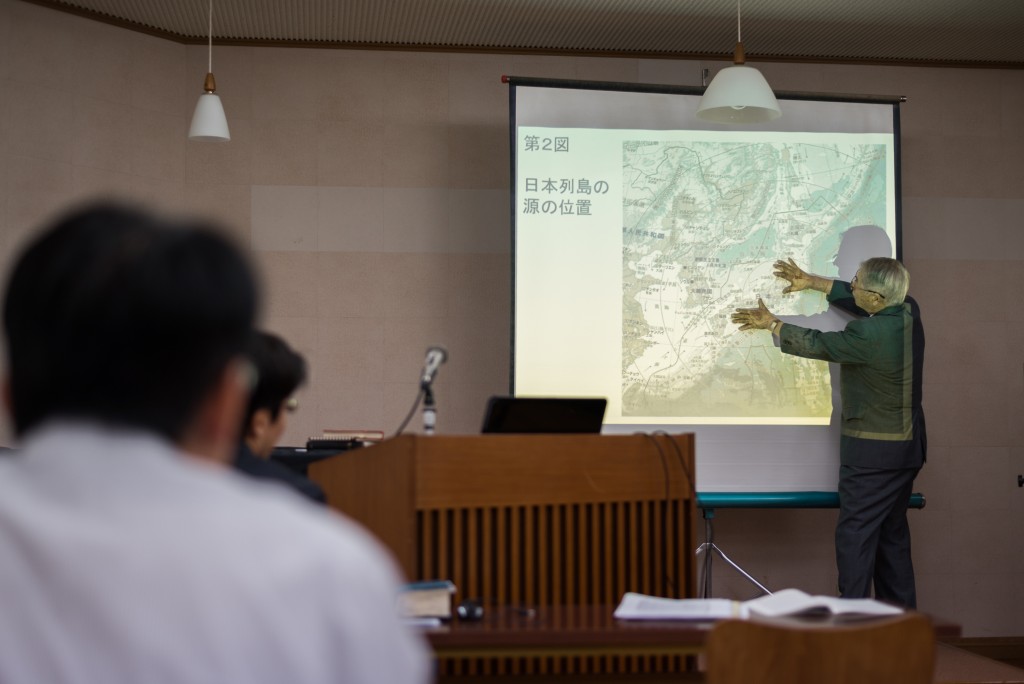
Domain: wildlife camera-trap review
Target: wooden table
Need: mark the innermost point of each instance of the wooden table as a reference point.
(957, 666)
(582, 630)
(565, 631)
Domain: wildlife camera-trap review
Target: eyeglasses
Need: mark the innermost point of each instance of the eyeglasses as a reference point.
(853, 285)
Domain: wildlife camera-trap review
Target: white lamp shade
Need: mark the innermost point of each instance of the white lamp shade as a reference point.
(738, 94)
(208, 121)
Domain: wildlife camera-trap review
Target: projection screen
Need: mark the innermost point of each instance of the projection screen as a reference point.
(638, 229)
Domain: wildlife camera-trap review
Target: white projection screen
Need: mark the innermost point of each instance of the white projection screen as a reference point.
(638, 229)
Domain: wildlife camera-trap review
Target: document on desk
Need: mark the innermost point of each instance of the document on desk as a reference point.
(643, 607)
(795, 603)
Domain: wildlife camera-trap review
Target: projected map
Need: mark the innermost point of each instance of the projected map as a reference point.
(702, 224)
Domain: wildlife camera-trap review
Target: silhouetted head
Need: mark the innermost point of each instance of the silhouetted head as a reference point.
(859, 243)
(119, 316)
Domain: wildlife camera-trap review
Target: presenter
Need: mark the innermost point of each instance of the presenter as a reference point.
(882, 443)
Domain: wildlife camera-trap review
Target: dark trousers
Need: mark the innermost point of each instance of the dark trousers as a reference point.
(873, 536)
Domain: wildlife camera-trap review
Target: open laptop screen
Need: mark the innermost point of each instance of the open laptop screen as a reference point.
(544, 415)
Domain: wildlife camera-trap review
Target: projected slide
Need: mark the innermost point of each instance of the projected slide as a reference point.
(638, 229)
(702, 221)
(634, 246)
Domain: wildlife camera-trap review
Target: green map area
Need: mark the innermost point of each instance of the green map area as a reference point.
(702, 225)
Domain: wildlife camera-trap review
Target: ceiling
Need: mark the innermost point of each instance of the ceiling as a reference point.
(983, 33)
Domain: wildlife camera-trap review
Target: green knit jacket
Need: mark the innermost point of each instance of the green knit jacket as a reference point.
(881, 359)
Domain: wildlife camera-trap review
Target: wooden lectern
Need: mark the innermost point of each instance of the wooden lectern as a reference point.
(529, 520)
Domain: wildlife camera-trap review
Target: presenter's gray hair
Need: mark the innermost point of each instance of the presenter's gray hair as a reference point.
(887, 277)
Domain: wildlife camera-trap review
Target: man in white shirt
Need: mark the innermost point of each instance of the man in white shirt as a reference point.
(128, 552)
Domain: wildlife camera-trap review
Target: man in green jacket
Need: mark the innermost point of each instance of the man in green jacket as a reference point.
(883, 443)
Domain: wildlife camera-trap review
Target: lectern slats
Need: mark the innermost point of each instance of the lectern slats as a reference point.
(501, 557)
(544, 555)
(563, 552)
(657, 547)
(487, 553)
(515, 546)
(473, 548)
(442, 549)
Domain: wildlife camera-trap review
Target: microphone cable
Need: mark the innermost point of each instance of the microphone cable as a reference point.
(412, 412)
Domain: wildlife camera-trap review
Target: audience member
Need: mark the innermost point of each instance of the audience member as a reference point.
(280, 371)
(130, 553)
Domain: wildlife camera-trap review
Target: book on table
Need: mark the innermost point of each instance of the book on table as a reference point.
(426, 599)
(783, 603)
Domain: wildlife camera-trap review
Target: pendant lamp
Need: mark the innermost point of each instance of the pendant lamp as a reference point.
(208, 120)
(738, 94)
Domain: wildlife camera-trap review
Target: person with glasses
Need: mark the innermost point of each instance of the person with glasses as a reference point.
(279, 371)
(883, 443)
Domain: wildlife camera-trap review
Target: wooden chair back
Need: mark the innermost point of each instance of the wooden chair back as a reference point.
(898, 650)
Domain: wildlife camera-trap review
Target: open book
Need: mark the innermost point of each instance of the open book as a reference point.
(797, 603)
(787, 602)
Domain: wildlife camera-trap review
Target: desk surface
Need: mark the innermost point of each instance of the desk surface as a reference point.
(556, 630)
(957, 665)
(582, 630)
(591, 630)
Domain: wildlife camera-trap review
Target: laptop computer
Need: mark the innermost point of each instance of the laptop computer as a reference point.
(571, 415)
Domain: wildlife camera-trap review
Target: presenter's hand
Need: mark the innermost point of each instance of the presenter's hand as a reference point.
(797, 277)
(754, 319)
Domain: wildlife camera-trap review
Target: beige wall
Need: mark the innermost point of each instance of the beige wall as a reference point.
(371, 188)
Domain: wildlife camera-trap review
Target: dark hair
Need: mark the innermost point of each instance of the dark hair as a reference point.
(280, 371)
(117, 315)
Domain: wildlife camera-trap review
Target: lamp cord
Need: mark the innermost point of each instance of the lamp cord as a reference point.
(209, 63)
(739, 29)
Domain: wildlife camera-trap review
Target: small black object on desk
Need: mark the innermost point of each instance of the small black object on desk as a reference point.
(470, 610)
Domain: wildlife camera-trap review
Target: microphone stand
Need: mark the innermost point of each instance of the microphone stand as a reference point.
(429, 409)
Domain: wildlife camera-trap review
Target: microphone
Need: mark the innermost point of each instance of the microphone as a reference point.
(435, 357)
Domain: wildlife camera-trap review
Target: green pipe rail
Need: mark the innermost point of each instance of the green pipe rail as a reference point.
(712, 500)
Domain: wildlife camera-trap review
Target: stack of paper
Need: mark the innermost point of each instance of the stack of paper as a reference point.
(641, 607)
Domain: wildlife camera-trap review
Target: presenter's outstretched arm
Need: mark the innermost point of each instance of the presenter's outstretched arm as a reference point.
(757, 319)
